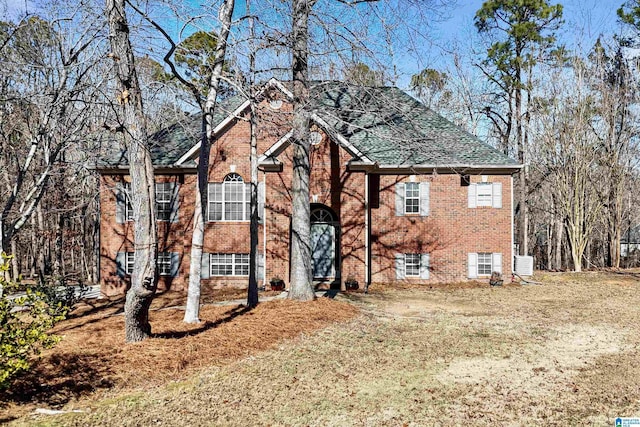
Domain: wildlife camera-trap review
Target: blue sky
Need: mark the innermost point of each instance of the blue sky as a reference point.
(455, 33)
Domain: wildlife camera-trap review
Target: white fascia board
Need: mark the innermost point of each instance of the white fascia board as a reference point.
(341, 139)
(455, 167)
(273, 82)
(277, 147)
(234, 115)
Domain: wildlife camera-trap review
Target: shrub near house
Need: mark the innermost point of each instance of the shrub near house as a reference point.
(398, 193)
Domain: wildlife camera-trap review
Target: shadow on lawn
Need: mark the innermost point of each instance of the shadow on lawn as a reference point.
(231, 314)
(60, 379)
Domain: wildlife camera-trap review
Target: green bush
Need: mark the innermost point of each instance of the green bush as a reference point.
(24, 322)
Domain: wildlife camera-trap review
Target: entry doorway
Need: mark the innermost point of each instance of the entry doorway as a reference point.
(325, 242)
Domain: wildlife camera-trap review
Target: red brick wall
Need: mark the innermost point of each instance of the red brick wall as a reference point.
(116, 237)
(449, 233)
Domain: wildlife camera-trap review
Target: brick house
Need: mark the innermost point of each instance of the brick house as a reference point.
(398, 193)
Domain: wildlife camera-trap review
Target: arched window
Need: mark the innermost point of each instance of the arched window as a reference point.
(321, 214)
(229, 200)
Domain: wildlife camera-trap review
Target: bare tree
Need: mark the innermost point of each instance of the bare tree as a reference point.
(144, 278)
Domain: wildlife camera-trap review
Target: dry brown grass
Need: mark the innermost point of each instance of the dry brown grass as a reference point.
(92, 356)
(562, 353)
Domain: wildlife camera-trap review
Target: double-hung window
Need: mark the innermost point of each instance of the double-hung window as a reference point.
(229, 200)
(412, 198)
(229, 265)
(412, 266)
(485, 194)
(164, 201)
(483, 264)
(164, 263)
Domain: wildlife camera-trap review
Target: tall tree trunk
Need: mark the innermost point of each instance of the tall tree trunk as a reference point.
(252, 293)
(192, 310)
(144, 279)
(301, 287)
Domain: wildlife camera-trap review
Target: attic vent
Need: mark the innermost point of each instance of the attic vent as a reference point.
(275, 104)
(315, 138)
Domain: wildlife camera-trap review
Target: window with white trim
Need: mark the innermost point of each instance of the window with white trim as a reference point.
(229, 264)
(412, 265)
(229, 200)
(485, 264)
(129, 260)
(163, 262)
(412, 197)
(484, 194)
(164, 201)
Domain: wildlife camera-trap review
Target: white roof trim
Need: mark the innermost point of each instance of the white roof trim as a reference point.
(341, 139)
(276, 148)
(235, 114)
(273, 82)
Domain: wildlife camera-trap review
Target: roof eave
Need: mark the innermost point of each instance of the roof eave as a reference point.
(160, 169)
(471, 169)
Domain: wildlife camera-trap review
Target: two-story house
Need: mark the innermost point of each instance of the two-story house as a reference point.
(397, 193)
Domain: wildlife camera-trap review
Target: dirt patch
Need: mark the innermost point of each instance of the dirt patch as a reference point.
(536, 367)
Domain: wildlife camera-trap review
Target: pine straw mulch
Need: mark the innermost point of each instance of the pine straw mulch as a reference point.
(92, 356)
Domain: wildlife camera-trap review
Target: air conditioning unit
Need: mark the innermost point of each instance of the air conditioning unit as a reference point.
(523, 265)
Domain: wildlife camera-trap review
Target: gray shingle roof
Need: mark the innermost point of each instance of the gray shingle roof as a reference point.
(172, 142)
(391, 128)
(385, 124)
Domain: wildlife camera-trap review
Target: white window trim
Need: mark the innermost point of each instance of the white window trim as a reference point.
(234, 262)
(485, 186)
(490, 256)
(406, 274)
(472, 264)
(407, 198)
(130, 257)
(163, 189)
(495, 195)
(246, 199)
(129, 260)
(128, 208)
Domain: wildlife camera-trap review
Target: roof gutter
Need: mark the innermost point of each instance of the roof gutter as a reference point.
(124, 170)
(461, 168)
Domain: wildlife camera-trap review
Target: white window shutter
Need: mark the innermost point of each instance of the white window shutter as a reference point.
(260, 266)
(121, 201)
(400, 199)
(496, 192)
(261, 200)
(175, 202)
(472, 190)
(400, 266)
(496, 262)
(121, 264)
(175, 263)
(205, 267)
(424, 198)
(472, 263)
(424, 266)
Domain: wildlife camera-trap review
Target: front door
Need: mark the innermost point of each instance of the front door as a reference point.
(323, 250)
(324, 236)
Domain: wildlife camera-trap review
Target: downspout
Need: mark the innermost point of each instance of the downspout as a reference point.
(367, 225)
(513, 259)
(264, 231)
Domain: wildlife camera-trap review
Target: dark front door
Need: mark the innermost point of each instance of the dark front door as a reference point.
(323, 250)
